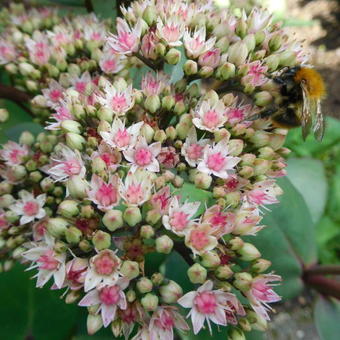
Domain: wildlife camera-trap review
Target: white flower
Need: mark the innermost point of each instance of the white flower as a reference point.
(179, 216)
(216, 160)
(192, 150)
(171, 30)
(195, 43)
(48, 262)
(29, 207)
(120, 137)
(136, 189)
(13, 153)
(209, 115)
(143, 156)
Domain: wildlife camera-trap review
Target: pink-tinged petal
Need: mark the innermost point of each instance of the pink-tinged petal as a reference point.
(90, 299)
(207, 286)
(91, 281)
(59, 276)
(197, 321)
(187, 301)
(219, 317)
(43, 277)
(108, 314)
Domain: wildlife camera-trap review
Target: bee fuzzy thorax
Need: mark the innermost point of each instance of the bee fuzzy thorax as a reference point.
(313, 80)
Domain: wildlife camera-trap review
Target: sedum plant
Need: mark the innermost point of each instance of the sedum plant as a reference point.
(147, 151)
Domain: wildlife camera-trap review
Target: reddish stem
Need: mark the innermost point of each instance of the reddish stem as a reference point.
(323, 269)
(323, 285)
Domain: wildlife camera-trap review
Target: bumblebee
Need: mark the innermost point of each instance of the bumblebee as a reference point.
(302, 90)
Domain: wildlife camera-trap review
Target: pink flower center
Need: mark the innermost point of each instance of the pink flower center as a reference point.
(218, 219)
(108, 158)
(118, 103)
(179, 220)
(105, 264)
(194, 151)
(80, 86)
(122, 138)
(166, 321)
(206, 302)
(109, 65)
(126, 41)
(211, 119)
(171, 33)
(31, 208)
(47, 261)
(109, 295)
(15, 156)
(199, 239)
(134, 193)
(261, 291)
(216, 162)
(107, 194)
(71, 167)
(55, 95)
(128, 315)
(143, 156)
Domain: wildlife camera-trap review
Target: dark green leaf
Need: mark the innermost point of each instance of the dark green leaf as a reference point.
(26, 310)
(327, 316)
(308, 177)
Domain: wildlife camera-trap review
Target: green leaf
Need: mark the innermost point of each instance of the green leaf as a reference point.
(26, 310)
(327, 316)
(308, 177)
(334, 195)
(289, 239)
(218, 334)
(105, 8)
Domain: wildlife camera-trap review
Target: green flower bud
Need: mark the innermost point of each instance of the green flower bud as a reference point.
(11, 216)
(238, 53)
(85, 246)
(144, 285)
(197, 273)
(260, 138)
(18, 172)
(261, 166)
(78, 111)
(236, 334)
(241, 28)
(73, 235)
(173, 56)
(150, 15)
(94, 323)
(259, 37)
(152, 103)
(224, 272)
(160, 136)
(263, 98)
(152, 217)
(101, 240)
(223, 44)
(132, 216)
(98, 165)
(170, 292)
(150, 302)
(210, 260)
(113, 219)
(249, 252)
(75, 141)
(287, 58)
(131, 295)
(246, 172)
(180, 108)
(202, 180)
(168, 102)
(130, 269)
(261, 265)
(6, 200)
(26, 138)
(272, 62)
(235, 147)
(157, 279)
(105, 113)
(26, 69)
(226, 71)
(257, 322)
(190, 67)
(4, 114)
(68, 208)
(5, 188)
(206, 71)
(160, 49)
(236, 243)
(77, 187)
(11, 68)
(72, 297)
(57, 226)
(275, 42)
(250, 41)
(147, 232)
(164, 244)
(243, 281)
(35, 176)
(171, 133)
(148, 132)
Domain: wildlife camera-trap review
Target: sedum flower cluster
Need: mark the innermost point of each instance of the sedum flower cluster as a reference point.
(147, 151)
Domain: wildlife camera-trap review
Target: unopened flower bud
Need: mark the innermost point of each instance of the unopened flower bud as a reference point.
(236, 334)
(160, 49)
(171, 133)
(246, 172)
(243, 281)
(152, 103)
(131, 295)
(260, 138)
(150, 302)
(236, 243)
(275, 42)
(147, 231)
(190, 67)
(178, 181)
(261, 166)
(147, 132)
(173, 56)
(249, 252)
(233, 198)
(105, 113)
(18, 172)
(132, 216)
(223, 272)
(152, 217)
(250, 41)
(180, 108)
(157, 279)
(287, 58)
(197, 273)
(26, 69)
(257, 322)
(10, 216)
(263, 98)
(261, 265)
(223, 44)
(72, 297)
(150, 15)
(238, 53)
(98, 165)
(77, 187)
(202, 180)
(226, 71)
(210, 259)
(130, 269)
(68, 208)
(168, 102)
(94, 323)
(101, 240)
(57, 226)
(241, 28)
(5, 188)
(4, 114)
(144, 285)
(160, 136)
(6, 200)
(73, 235)
(170, 292)
(75, 141)
(85, 246)
(26, 138)
(164, 244)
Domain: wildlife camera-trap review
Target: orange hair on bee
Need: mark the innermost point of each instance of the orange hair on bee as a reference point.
(313, 80)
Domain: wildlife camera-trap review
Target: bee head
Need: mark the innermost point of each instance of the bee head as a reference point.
(313, 82)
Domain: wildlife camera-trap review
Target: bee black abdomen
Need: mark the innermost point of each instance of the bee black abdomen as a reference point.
(287, 119)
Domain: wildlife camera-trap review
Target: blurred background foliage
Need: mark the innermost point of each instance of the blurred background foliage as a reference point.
(304, 229)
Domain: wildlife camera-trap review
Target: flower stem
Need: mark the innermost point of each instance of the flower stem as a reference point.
(147, 62)
(89, 6)
(323, 269)
(323, 285)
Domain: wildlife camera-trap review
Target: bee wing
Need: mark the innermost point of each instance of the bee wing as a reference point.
(308, 108)
(319, 125)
